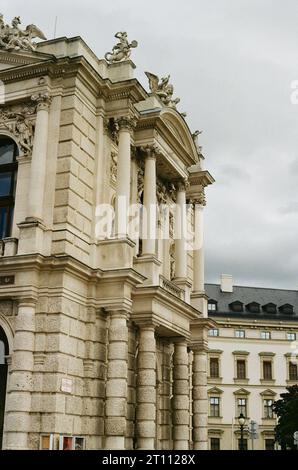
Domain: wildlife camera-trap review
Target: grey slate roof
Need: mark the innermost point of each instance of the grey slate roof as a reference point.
(247, 295)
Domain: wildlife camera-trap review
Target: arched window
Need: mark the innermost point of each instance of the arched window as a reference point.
(3, 377)
(8, 172)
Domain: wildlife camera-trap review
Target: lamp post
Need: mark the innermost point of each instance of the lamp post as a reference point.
(241, 421)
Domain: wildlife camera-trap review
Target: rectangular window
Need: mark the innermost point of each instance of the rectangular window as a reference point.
(212, 307)
(265, 335)
(5, 183)
(268, 411)
(214, 332)
(241, 369)
(240, 334)
(242, 407)
(243, 445)
(291, 336)
(293, 371)
(269, 444)
(214, 407)
(267, 370)
(214, 443)
(214, 367)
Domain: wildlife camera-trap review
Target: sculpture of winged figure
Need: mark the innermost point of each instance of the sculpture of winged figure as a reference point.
(163, 89)
(13, 38)
(122, 50)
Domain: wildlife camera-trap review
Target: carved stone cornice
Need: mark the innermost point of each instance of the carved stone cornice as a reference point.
(42, 100)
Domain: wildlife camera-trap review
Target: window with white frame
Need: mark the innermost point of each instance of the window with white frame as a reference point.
(268, 410)
(242, 407)
(239, 333)
(214, 332)
(214, 407)
(291, 336)
(212, 305)
(265, 335)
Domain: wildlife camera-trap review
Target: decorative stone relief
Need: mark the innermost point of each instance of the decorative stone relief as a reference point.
(163, 89)
(122, 50)
(6, 308)
(42, 100)
(13, 38)
(141, 173)
(200, 199)
(113, 167)
(18, 121)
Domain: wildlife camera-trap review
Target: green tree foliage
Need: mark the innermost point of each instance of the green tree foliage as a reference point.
(286, 410)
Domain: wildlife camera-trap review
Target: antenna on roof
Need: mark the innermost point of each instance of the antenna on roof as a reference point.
(55, 27)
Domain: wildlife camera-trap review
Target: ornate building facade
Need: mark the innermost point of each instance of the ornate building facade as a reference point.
(253, 357)
(103, 339)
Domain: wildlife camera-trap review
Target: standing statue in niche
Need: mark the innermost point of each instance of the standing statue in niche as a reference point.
(122, 50)
(13, 38)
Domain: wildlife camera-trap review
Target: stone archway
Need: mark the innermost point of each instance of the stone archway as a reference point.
(4, 351)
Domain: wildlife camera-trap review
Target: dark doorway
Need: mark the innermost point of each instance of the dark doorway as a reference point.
(3, 379)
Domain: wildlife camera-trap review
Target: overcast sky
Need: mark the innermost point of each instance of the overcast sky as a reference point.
(232, 63)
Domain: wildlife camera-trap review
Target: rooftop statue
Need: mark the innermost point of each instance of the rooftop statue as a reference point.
(195, 137)
(13, 38)
(163, 89)
(122, 50)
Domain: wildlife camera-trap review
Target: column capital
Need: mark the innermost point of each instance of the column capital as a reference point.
(124, 314)
(199, 347)
(127, 123)
(42, 100)
(182, 185)
(199, 198)
(150, 151)
(149, 325)
(27, 302)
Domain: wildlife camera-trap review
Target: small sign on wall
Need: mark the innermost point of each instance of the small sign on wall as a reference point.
(7, 280)
(66, 385)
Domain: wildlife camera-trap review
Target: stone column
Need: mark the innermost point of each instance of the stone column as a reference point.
(20, 383)
(116, 386)
(180, 396)
(180, 231)
(125, 125)
(149, 243)
(200, 400)
(146, 388)
(39, 155)
(198, 254)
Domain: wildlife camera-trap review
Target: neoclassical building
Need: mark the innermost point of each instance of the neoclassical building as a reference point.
(253, 357)
(103, 337)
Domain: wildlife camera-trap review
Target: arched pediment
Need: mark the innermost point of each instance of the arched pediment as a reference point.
(180, 130)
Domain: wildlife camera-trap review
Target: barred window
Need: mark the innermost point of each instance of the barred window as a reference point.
(214, 367)
(241, 369)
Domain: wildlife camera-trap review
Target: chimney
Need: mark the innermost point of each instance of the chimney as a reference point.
(226, 283)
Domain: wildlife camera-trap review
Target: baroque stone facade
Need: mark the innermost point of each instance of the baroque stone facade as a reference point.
(105, 338)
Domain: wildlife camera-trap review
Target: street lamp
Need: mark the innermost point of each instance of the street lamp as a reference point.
(241, 421)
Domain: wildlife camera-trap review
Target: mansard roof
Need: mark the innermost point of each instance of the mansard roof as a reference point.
(247, 295)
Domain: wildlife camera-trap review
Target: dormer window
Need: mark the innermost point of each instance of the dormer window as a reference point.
(212, 305)
(286, 309)
(253, 307)
(236, 306)
(269, 308)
